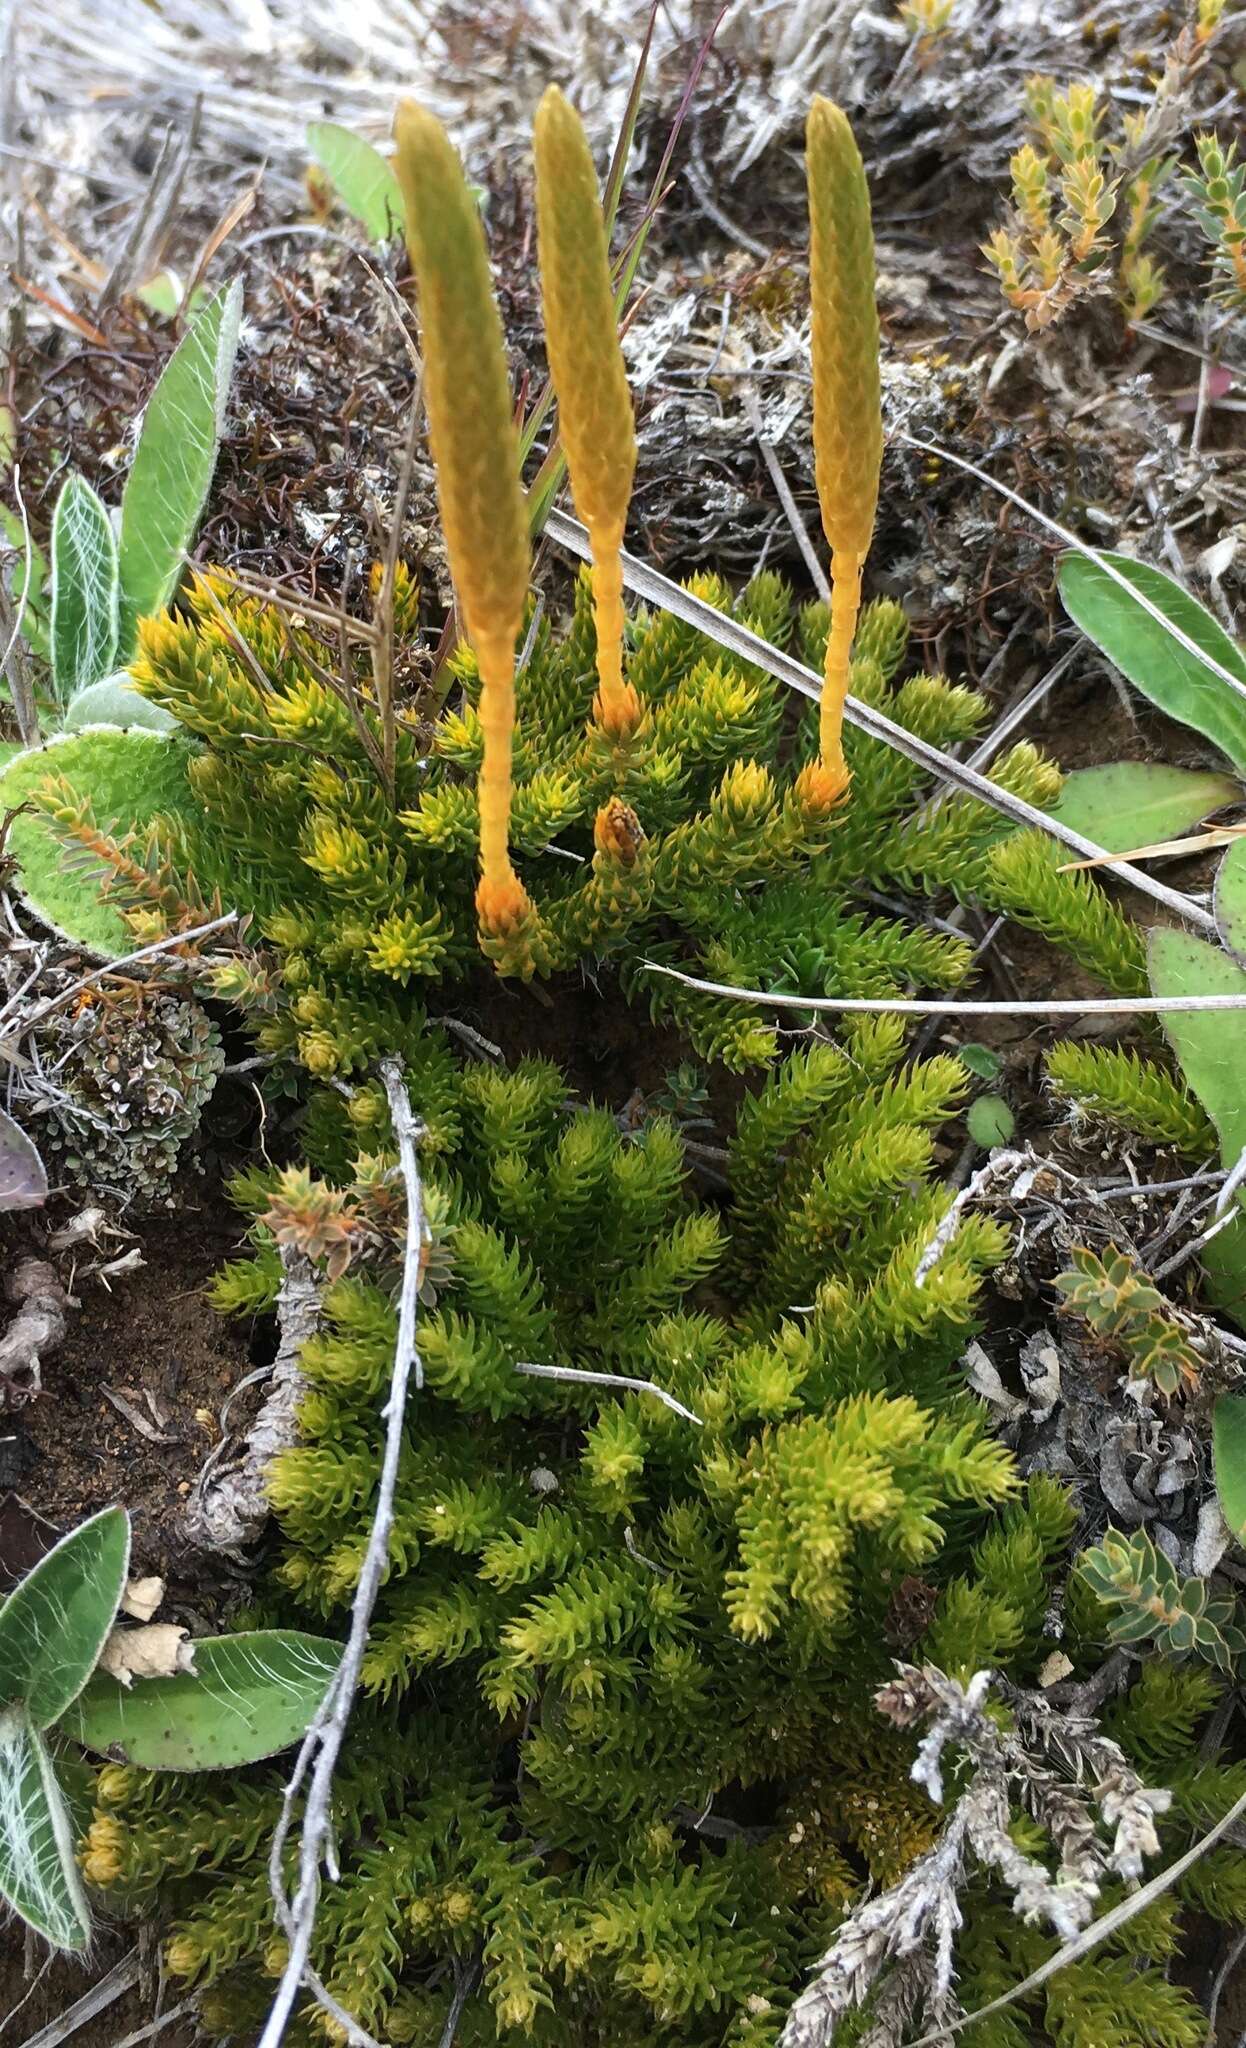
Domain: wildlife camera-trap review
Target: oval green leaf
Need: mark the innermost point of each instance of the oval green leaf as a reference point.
(990, 1122)
(85, 590)
(361, 177)
(38, 1869)
(54, 1624)
(131, 777)
(1230, 900)
(1210, 1044)
(248, 1697)
(1229, 1451)
(980, 1060)
(1143, 647)
(1137, 803)
(173, 463)
(1211, 1048)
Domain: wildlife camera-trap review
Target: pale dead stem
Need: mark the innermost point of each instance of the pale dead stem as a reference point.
(952, 1005)
(321, 1746)
(1098, 1931)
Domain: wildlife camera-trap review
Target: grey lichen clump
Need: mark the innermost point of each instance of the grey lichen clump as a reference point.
(126, 1083)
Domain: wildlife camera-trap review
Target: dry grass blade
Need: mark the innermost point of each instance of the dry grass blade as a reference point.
(582, 1377)
(953, 1005)
(63, 315)
(658, 590)
(1162, 849)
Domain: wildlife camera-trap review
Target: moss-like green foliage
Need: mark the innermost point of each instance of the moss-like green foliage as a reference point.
(133, 777)
(1024, 878)
(697, 842)
(617, 1733)
(1136, 1094)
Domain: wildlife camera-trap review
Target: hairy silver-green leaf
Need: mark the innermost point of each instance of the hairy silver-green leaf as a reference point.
(38, 1870)
(1144, 648)
(23, 1177)
(174, 461)
(1124, 804)
(131, 778)
(247, 1697)
(115, 701)
(361, 177)
(85, 590)
(54, 1623)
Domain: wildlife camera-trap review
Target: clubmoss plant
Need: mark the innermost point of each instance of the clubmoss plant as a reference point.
(1113, 1085)
(684, 1475)
(1217, 193)
(1109, 189)
(610, 1615)
(615, 804)
(736, 871)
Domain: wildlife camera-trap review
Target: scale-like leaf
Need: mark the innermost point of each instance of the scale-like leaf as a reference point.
(38, 1872)
(1124, 804)
(247, 1697)
(173, 463)
(23, 1177)
(361, 177)
(54, 1623)
(1145, 649)
(85, 590)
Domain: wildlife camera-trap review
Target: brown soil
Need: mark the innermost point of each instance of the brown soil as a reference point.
(153, 1334)
(154, 1342)
(32, 1997)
